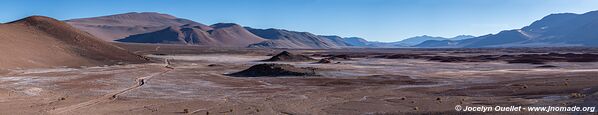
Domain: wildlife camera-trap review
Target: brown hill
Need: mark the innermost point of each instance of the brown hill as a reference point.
(119, 26)
(39, 41)
(222, 34)
(234, 35)
(171, 35)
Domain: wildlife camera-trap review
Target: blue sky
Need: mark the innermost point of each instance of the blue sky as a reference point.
(377, 20)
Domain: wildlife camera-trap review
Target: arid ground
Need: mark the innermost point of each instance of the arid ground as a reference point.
(196, 81)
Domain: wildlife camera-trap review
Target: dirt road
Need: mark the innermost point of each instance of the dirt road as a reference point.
(110, 96)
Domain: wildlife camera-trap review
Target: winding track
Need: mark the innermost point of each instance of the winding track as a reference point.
(110, 96)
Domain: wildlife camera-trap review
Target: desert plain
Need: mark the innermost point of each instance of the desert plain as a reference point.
(199, 80)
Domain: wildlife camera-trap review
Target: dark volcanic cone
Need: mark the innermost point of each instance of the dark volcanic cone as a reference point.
(325, 61)
(546, 66)
(527, 60)
(273, 70)
(286, 56)
(339, 57)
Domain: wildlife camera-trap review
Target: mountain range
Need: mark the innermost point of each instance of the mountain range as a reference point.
(420, 39)
(555, 30)
(565, 29)
(279, 38)
(156, 28)
(409, 42)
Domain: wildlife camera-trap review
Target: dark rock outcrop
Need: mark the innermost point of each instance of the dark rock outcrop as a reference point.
(289, 57)
(274, 70)
(325, 61)
(339, 57)
(546, 66)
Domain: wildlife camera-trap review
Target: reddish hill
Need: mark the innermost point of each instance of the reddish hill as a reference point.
(39, 41)
(119, 26)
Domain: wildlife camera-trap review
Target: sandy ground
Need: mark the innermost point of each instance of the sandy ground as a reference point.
(198, 85)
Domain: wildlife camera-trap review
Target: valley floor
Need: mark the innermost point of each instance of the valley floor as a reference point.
(198, 85)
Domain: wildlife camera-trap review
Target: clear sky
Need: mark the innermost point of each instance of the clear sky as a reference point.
(377, 20)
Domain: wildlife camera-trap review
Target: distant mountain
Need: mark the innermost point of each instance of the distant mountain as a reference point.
(119, 26)
(279, 38)
(221, 34)
(437, 43)
(375, 44)
(337, 40)
(555, 30)
(362, 43)
(39, 41)
(420, 39)
(461, 37)
(356, 41)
